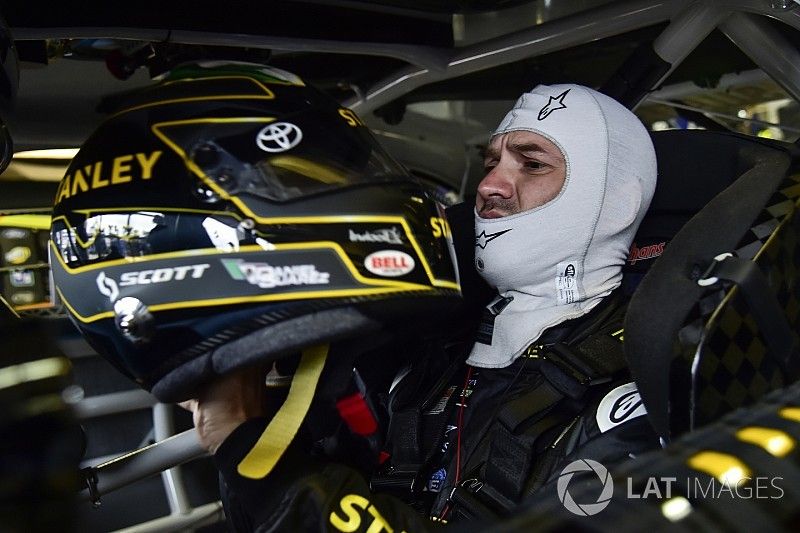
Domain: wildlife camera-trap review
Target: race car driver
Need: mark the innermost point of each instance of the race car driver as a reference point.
(569, 176)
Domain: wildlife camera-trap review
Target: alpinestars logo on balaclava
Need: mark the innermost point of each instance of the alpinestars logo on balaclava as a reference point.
(565, 256)
(483, 239)
(555, 103)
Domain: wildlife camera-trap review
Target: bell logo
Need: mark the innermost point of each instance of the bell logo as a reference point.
(389, 263)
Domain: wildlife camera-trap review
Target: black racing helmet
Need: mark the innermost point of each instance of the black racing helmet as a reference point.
(233, 215)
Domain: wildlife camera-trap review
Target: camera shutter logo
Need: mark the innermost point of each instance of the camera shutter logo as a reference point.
(585, 509)
(279, 137)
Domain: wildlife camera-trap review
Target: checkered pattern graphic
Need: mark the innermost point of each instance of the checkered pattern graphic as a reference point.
(733, 366)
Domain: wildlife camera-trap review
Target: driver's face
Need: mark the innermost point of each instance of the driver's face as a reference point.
(524, 170)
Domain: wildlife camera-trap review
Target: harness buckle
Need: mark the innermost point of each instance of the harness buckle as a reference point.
(398, 482)
(568, 362)
(708, 278)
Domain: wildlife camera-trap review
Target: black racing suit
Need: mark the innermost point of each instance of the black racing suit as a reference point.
(480, 430)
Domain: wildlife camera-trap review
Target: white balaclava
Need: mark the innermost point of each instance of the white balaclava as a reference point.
(557, 261)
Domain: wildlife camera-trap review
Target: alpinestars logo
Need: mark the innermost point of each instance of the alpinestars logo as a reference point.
(619, 406)
(267, 276)
(554, 104)
(483, 239)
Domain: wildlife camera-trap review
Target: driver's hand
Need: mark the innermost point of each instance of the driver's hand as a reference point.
(224, 404)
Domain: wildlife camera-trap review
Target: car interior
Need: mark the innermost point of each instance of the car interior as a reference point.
(712, 334)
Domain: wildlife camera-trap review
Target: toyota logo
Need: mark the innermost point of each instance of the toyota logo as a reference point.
(279, 137)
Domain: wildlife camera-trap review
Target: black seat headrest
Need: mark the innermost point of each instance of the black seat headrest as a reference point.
(713, 186)
(693, 167)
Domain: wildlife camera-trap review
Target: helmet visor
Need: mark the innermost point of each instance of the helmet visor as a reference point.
(282, 159)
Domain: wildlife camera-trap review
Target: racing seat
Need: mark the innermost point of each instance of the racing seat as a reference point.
(704, 336)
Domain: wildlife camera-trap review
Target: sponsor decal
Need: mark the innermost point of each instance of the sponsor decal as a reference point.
(163, 275)
(389, 263)
(645, 252)
(440, 227)
(13, 233)
(567, 282)
(350, 117)
(118, 171)
(355, 509)
(438, 408)
(18, 255)
(224, 238)
(436, 481)
(554, 104)
(387, 235)
(483, 239)
(619, 406)
(22, 298)
(279, 137)
(21, 278)
(267, 276)
(107, 286)
(585, 465)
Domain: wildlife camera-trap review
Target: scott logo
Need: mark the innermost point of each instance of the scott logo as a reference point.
(162, 275)
(107, 286)
(389, 263)
(279, 137)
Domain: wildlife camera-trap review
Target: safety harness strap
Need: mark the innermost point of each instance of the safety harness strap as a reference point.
(406, 433)
(405, 430)
(569, 372)
(512, 454)
(283, 427)
(518, 411)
